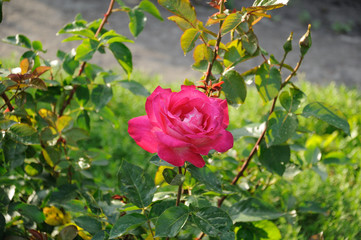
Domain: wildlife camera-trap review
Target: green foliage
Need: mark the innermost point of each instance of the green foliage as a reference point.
(69, 170)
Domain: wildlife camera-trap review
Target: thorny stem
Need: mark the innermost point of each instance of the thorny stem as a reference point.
(216, 48)
(256, 146)
(105, 19)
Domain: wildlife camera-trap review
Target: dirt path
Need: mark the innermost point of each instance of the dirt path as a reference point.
(333, 57)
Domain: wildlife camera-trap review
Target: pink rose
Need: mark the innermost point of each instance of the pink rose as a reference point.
(182, 126)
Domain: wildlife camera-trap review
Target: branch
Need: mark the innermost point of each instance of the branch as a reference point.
(71, 95)
(7, 101)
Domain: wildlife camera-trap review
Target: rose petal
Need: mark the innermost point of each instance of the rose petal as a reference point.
(156, 102)
(178, 156)
(141, 130)
(224, 142)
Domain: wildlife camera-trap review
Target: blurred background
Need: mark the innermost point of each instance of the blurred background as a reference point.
(335, 55)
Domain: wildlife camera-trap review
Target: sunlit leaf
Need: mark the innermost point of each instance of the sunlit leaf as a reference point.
(48, 116)
(40, 70)
(24, 65)
(327, 113)
(171, 221)
(149, 7)
(231, 22)
(182, 24)
(123, 56)
(188, 39)
(269, 2)
(19, 40)
(82, 95)
(181, 8)
(252, 130)
(202, 52)
(63, 122)
(86, 50)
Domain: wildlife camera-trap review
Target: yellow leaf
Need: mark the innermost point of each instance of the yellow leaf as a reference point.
(24, 65)
(53, 216)
(159, 175)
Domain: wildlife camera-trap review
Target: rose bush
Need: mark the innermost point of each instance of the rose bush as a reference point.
(182, 126)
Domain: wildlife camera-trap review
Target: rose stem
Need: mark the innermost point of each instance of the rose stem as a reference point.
(105, 19)
(179, 189)
(216, 48)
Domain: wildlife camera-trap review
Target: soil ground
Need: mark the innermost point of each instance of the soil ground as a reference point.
(335, 54)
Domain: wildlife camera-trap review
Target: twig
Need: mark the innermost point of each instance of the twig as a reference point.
(180, 189)
(71, 94)
(7, 102)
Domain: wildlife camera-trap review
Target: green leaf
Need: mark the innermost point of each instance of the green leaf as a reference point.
(336, 158)
(126, 223)
(24, 133)
(64, 193)
(112, 36)
(137, 21)
(234, 87)
(231, 22)
(2, 88)
(171, 221)
(136, 184)
(252, 130)
(63, 122)
(108, 114)
(38, 46)
(149, 7)
(212, 221)
(159, 207)
(73, 135)
(291, 100)
(207, 177)
(250, 42)
(101, 95)
(82, 95)
(281, 127)
(252, 209)
(70, 64)
(19, 40)
(86, 50)
(327, 113)
(30, 211)
(83, 120)
(123, 56)
(181, 8)
(68, 233)
(312, 155)
(202, 66)
(268, 82)
(135, 87)
(77, 27)
(172, 177)
(275, 158)
(89, 224)
(159, 162)
(188, 39)
(2, 219)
